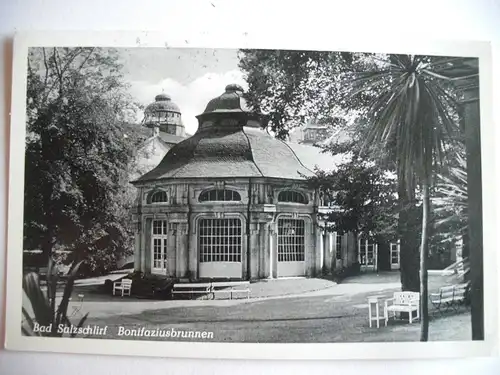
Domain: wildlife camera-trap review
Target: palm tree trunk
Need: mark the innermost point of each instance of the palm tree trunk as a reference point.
(408, 234)
(424, 254)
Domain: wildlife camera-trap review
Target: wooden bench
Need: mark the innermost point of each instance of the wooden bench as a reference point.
(231, 287)
(451, 296)
(406, 302)
(192, 288)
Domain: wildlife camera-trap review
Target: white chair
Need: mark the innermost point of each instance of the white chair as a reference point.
(124, 285)
(402, 302)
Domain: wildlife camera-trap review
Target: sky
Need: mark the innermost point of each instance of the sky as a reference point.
(191, 77)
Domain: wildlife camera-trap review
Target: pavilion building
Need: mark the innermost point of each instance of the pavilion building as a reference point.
(233, 202)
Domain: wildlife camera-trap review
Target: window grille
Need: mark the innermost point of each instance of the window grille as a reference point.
(338, 246)
(291, 196)
(219, 195)
(159, 244)
(291, 240)
(159, 197)
(220, 240)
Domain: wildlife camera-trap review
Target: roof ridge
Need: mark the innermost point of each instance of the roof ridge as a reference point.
(251, 151)
(296, 157)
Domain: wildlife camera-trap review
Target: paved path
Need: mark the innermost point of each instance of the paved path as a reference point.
(265, 290)
(326, 313)
(294, 288)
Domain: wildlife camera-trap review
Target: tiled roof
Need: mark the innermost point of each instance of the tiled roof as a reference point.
(162, 103)
(240, 152)
(230, 101)
(313, 157)
(229, 143)
(171, 138)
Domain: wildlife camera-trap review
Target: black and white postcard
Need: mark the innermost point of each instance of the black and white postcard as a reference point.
(192, 198)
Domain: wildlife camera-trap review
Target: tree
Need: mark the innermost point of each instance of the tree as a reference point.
(363, 195)
(77, 157)
(295, 85)
(414, 109)
(451, 199)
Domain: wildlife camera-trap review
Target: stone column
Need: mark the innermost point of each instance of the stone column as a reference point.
(263, 250)
(137, 244)
(192, 252)
(311, 247)
(273, 252)
(318, 251)
(255, 250)
(171, 248)
(181, 254)
(328, 256)
(146, 246)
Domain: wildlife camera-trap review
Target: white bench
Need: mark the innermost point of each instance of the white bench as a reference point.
(402, 302)
(192, 288)
(450, 296)
(124, 286)
(231, 287)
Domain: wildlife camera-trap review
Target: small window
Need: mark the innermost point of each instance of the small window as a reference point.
(291, 196)
(219, 195)
(159, 197)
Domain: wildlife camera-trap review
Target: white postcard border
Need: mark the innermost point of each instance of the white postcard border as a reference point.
(14, 339)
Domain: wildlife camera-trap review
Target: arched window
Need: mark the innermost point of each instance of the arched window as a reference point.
(159, 197)
(291, 196)
(219, 195)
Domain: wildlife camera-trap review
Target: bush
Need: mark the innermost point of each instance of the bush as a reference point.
(344, 272)
(45, 311)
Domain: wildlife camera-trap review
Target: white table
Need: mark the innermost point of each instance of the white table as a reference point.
(373, 303)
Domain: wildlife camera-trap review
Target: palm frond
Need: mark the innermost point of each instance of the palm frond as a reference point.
(413, 112)
(451, 197)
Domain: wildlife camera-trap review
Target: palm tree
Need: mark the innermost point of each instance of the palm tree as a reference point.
(451, 204)
(413, 117)
(451, 198)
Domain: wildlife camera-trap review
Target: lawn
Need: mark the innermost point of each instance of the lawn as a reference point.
(335, 314)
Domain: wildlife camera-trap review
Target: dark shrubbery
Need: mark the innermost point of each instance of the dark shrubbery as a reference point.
(146, 286)
(352, 270)
(47, 311)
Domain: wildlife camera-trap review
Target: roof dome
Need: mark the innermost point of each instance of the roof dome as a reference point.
(230, 109)
(231, 100)
(230, 153)
(162, 103)
(230, 142)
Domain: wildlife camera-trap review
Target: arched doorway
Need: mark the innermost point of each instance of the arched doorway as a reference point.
(291, 247)
(220, 248)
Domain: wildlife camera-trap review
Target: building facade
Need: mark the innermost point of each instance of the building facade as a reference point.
(232, 201)
(164, 127)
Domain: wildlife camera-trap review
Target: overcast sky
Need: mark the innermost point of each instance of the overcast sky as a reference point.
(191, 77)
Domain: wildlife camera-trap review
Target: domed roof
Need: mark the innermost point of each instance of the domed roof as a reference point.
(162, 103)
(230, 153)
(230, 142)
(231, 100)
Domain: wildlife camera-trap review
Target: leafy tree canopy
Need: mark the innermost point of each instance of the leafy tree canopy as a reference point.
(363, 197)
(78, 154)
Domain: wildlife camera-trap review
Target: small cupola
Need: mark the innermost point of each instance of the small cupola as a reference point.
(164, 116)
(230, 109)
